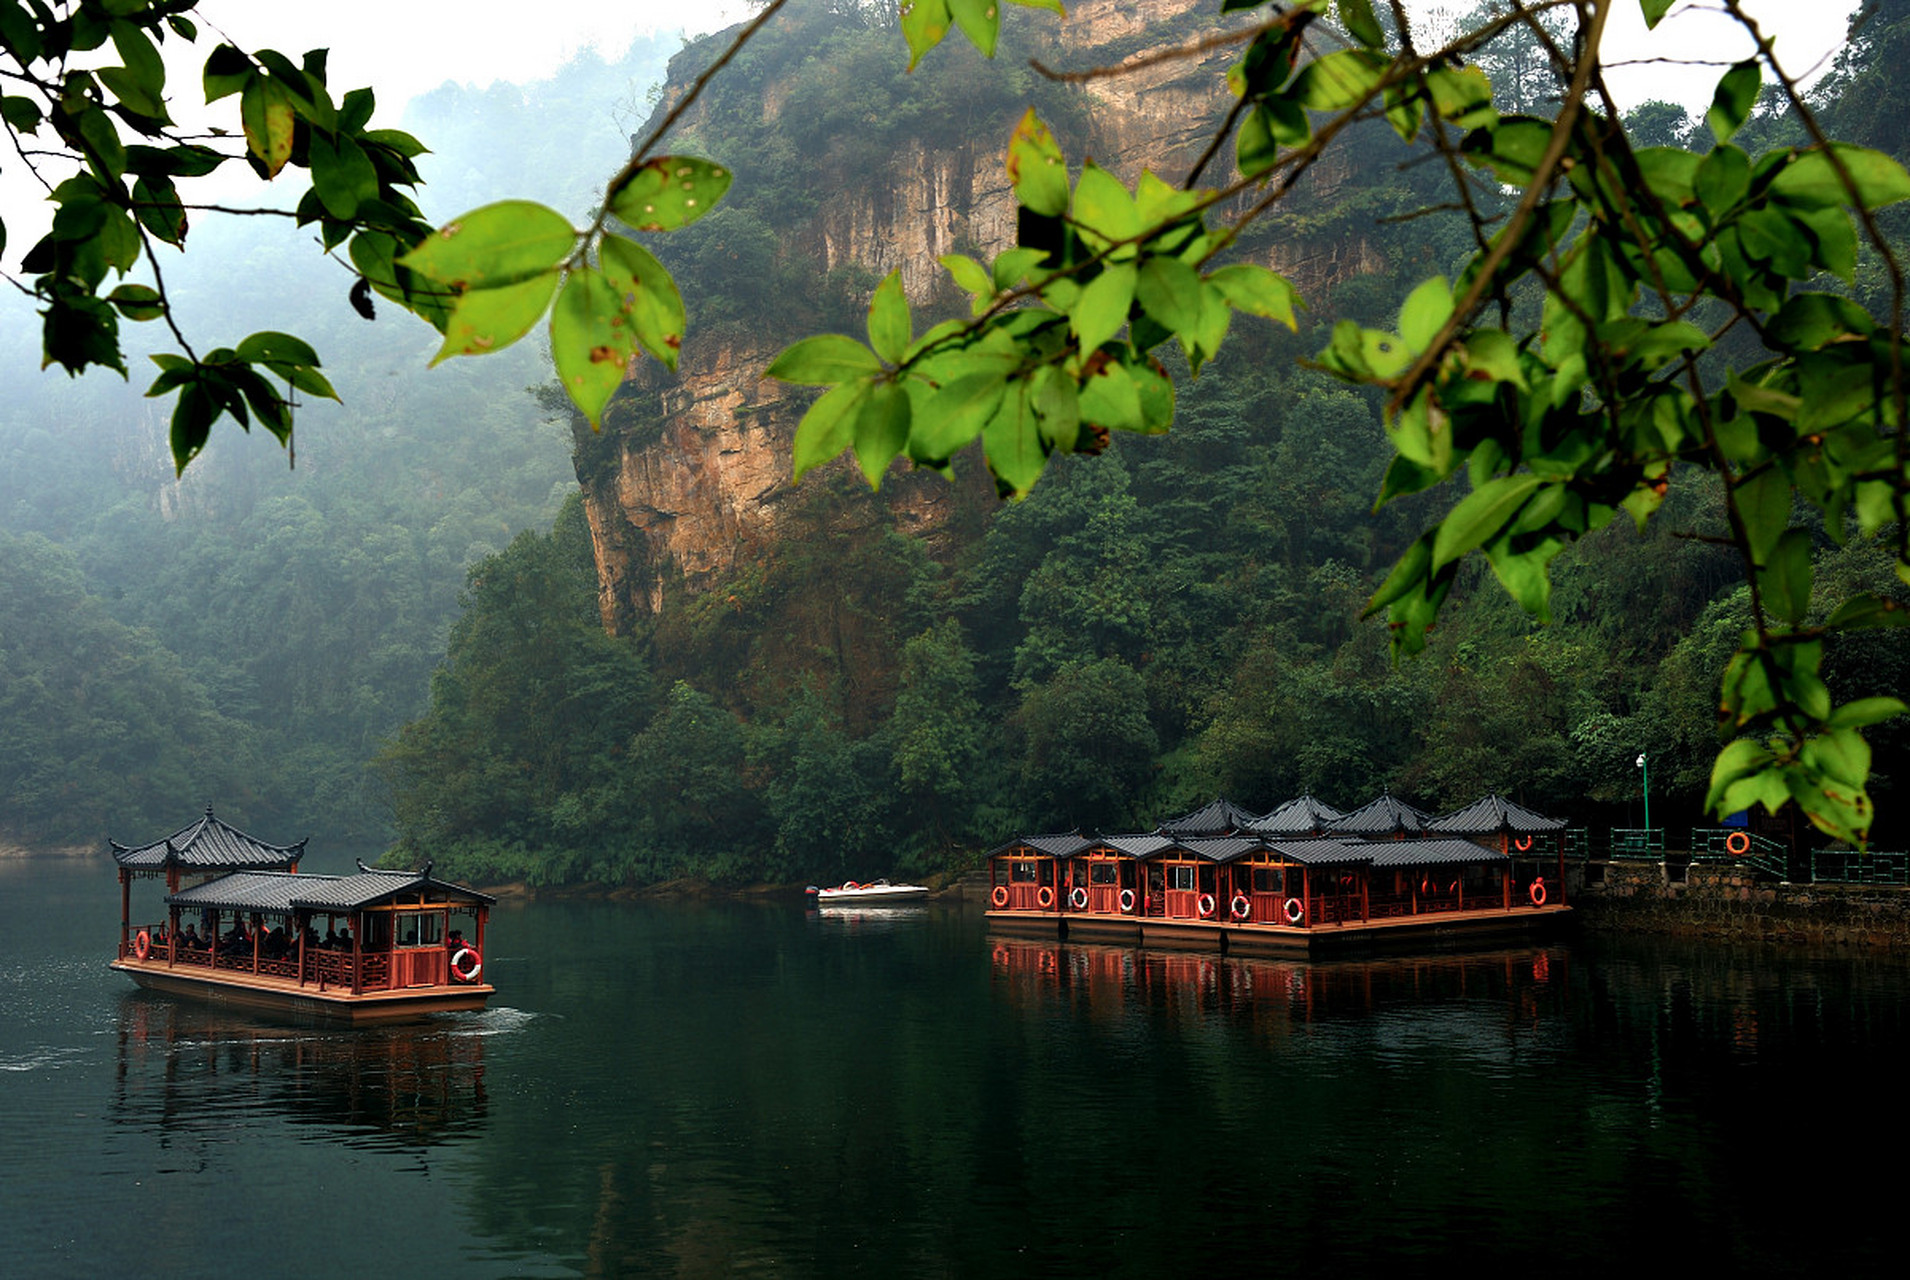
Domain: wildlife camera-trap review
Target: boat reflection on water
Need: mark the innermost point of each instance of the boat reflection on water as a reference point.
(1115, 978)
(868, 919)
(185, 1067)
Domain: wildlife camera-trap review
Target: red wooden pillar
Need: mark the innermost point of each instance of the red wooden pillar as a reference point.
(1306, 895)
(300, 926)
(1366, 897)
(357, 954)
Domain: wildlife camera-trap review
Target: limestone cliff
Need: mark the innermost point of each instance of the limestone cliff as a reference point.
(691, 472)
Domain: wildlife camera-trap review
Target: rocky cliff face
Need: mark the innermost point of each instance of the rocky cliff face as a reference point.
(688, 478)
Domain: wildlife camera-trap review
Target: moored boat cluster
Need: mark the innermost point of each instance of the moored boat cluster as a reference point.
(1304, 876)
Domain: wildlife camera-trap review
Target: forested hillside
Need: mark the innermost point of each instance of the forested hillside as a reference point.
(1173, 619)
(248, 635)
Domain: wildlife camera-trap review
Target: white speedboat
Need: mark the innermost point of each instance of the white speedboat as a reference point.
(874, 893)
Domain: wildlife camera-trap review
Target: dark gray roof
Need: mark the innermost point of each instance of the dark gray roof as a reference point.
(1222, 817)
(1430, 853)
(1052, 846)
(1302, 817)
(281, 891)
(208, 845)
(1386, 816)
(1140, 846)
(1323, 853)
(1218, 848)
(1494, 815)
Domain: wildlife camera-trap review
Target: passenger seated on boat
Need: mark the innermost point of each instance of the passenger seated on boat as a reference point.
(273, 946)
(191, 939)
(344, 938)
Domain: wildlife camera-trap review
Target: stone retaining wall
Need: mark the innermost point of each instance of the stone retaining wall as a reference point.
(1730, 903)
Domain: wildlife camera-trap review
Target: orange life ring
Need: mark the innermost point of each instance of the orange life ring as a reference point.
(1242, 906)
(1538, 892)
(1078, 899)
(1738, 842)
(1295, 911)
(1045, 897)
(1522, 843)
(142, 944)
(467, 958)
(1127, 899)
(999, 896)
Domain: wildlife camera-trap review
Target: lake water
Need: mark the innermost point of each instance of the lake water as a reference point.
(743, 1088)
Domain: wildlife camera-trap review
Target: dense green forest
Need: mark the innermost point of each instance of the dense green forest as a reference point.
(1175, 619)
(247, 636)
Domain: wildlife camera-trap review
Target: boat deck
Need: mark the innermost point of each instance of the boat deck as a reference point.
(270, 993)
(1436, 928)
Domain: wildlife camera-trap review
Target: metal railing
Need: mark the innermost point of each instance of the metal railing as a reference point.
(1638, 842)
(1848, 866)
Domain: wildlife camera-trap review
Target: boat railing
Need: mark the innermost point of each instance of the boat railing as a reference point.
(322, 967)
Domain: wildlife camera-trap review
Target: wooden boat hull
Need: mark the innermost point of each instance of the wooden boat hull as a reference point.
(871, 897)
(1430, 932)
(286, 998)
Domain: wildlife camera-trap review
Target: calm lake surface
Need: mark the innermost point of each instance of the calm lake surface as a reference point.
(741, 1088)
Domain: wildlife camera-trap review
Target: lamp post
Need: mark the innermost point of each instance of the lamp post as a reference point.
(1645, 786)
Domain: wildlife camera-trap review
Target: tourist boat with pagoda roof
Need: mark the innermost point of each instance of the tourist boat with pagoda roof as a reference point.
(1304, 878)
(394, 944)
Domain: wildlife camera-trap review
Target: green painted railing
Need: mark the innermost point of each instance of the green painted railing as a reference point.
(1847, 866)
(1638, 842)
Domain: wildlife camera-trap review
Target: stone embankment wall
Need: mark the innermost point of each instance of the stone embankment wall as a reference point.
(1732, 904)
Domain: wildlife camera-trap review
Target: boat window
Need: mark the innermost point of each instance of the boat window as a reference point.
(1103, 873)
(420, 929)
(1269, 879)
(1181, 877)
(1022, 872)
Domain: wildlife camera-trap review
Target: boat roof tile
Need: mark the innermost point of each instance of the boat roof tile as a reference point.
(1494, 815)
(208, 844)
(283, 891)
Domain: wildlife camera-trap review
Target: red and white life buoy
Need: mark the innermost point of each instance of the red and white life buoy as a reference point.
(1078, 899)
(1295, 911)
(1127, 899)
(1538, 892)
(1738, 842)
(1242, 906)
(1045, 897)
(999, 896)
(1205, 905)
(142, 944)
(467, 964)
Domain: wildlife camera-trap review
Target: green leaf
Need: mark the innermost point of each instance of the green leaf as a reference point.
(265, 110)
(1764, 506)
(1011, 442)
(1732, 102)
(670, 192)
(1866, 711)
(924, 23)
(955, 414)
(1057, 404)
(1357, 17)
(1170, 291)
(829, 426)
(1036, 167)
(490, 319)
(227, 71)
(824, 359)
(1654, 10)
(592, 341)
(1480, 516)
(881, 430)
(1786, 579)
(1257, 290)
(1337, 80)
(342, 174)
(980, 21)
(971, 278)
(1255, 148)
(192, 419)
(1424, 313)
(137, 302)
(890, 325)
(499, 244)
(650, 296)
(1811, 179)
(1104, 207)
(1104, 305)
(1812, 321)
(1867, 610)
